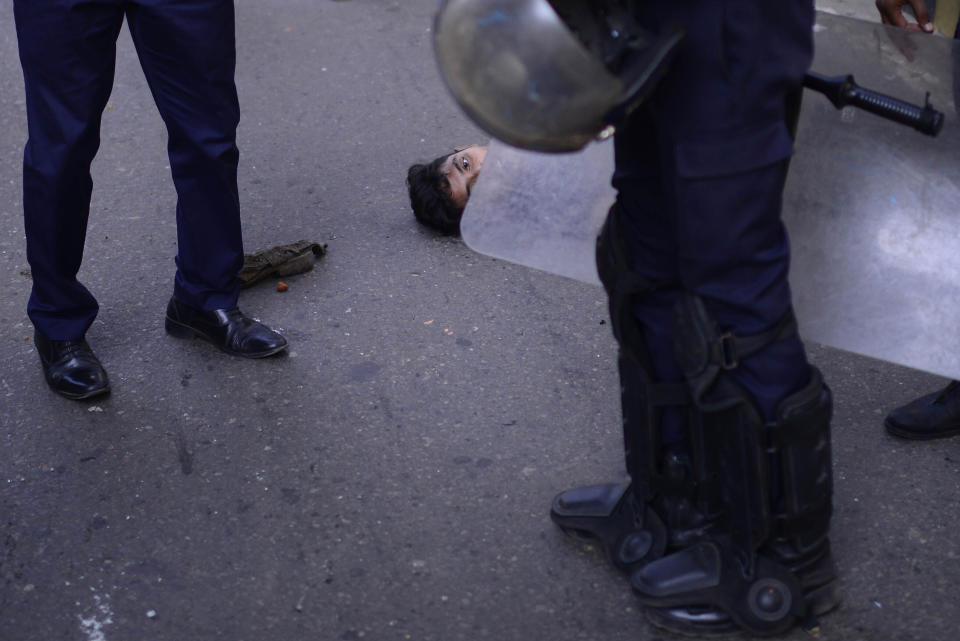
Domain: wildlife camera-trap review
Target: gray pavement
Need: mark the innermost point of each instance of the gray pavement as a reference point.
(390, 477)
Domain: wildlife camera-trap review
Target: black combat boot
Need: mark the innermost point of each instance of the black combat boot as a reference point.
(935, 415)
(769, 566)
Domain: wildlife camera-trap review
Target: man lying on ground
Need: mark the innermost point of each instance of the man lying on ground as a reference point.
(439, 189)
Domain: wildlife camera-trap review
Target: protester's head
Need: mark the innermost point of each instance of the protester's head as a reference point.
(439, 190)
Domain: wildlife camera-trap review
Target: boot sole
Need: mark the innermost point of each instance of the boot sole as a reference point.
(896, 430)
(658, 618)
(820, 601)
(81, 397)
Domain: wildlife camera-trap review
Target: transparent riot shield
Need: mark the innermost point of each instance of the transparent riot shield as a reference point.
(541, 210)
(872, 207)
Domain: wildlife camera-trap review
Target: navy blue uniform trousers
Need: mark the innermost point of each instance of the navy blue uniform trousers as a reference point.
(700, 172)
(188, 54)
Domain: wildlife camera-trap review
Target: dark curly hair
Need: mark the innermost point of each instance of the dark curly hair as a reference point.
(430, 197)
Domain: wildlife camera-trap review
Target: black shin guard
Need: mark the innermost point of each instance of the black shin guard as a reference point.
(772, 566)
(672, 500)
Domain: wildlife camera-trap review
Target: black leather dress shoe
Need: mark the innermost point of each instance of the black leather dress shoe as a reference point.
(935, 415)
(70, 367)
(229, 329)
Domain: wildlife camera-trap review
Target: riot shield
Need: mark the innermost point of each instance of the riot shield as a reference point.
(871, 207)
(541, 210)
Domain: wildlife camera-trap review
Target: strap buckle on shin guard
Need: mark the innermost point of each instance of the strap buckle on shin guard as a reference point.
(702, 352)
(728, 352)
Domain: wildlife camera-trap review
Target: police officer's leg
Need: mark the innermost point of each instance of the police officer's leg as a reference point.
(187, 51)
(763, 405)
(737, 346)
(670, 502)
(765, 408)
(68, 52)
(188, 54)
(725, 150)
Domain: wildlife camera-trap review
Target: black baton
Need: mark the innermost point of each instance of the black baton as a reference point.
(843, 91)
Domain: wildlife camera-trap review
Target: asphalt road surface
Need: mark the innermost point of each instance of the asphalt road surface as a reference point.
(388, 479)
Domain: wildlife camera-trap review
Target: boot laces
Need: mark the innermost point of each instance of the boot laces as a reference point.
(71, 348)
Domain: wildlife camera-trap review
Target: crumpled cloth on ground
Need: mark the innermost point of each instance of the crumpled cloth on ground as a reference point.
(282, 260)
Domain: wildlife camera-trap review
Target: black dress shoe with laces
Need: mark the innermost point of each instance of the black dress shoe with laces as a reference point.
(70, 367)
(932, 416)
(229, 329)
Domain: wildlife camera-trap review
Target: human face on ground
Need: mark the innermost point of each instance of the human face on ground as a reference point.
(461, 169)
